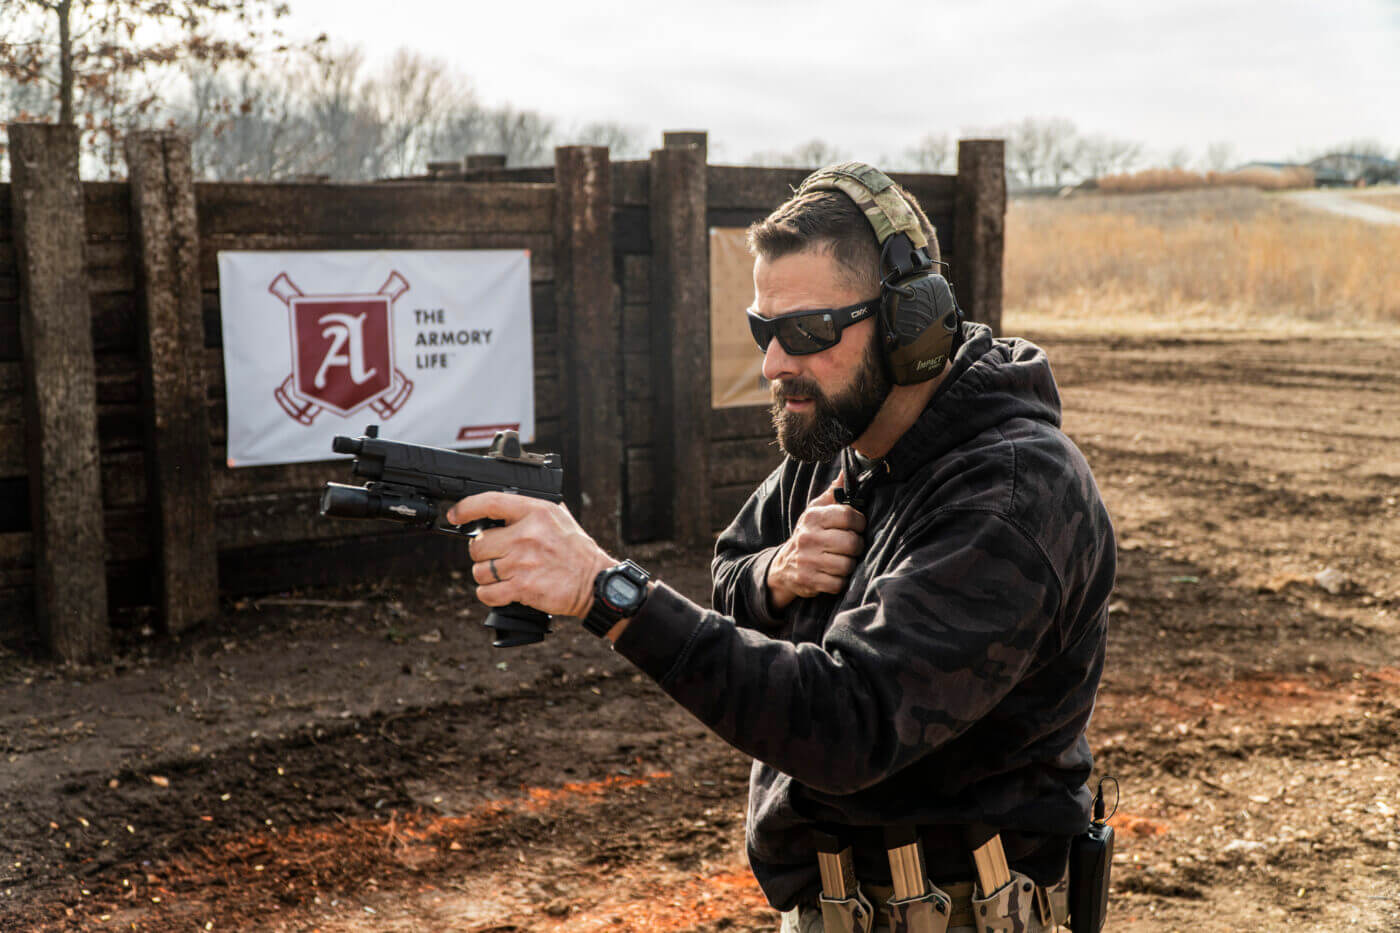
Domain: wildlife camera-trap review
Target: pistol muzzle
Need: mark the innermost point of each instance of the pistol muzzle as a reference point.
(347, 445)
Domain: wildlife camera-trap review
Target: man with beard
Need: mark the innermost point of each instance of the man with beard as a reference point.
(909, 613)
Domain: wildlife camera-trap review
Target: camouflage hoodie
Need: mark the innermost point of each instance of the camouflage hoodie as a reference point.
(953, 679)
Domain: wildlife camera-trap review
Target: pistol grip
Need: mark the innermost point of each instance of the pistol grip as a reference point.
(516, 625)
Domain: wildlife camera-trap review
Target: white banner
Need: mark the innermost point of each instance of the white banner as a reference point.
(434, 346)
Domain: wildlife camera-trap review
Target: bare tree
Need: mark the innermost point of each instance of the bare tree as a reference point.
(1041, 151)
(413, 96)
(624, 141)
(935, 152)
(814, 152)
(1103, 155)
(106, 61)
(347, 130)
(1179, 158)
(1219, 156)
(524, 136)
(264, 136)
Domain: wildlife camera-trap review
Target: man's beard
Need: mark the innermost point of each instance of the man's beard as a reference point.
(819, 435)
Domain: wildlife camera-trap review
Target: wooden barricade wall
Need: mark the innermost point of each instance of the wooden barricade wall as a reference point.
(620, 306)
(265, 520)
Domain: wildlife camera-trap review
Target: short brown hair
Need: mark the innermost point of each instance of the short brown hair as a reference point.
(830, 221)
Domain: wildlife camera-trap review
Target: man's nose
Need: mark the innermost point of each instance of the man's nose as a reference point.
(777, 362)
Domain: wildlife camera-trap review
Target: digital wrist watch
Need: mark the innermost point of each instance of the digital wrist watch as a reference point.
(618, 593)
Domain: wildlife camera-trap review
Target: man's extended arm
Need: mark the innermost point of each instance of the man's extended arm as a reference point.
(938, 643)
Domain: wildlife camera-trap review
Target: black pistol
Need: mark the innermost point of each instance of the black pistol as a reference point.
(415, 485)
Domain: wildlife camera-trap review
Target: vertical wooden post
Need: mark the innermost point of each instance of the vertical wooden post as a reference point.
(60, 391)
(979, 227)
(680, 314)
(589, 338)
(672, 139)
(179, 497)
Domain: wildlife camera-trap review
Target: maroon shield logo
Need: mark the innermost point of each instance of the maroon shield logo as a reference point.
(342, 352)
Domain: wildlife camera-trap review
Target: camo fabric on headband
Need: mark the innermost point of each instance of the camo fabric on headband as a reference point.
(874, 194)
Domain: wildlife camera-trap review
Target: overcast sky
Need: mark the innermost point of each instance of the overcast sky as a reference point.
(1275, 78)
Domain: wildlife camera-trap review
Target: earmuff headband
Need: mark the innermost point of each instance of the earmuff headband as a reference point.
(874, 193)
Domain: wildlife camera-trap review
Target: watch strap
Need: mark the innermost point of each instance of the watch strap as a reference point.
(601, 616)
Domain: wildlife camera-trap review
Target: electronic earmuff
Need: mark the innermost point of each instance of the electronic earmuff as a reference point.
(919, 321)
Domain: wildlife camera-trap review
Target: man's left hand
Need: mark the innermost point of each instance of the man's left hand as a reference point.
(540, 557)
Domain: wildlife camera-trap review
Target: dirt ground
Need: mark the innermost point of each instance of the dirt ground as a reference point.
(361, 759)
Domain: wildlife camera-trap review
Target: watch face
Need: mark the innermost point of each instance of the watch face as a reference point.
(620, 592)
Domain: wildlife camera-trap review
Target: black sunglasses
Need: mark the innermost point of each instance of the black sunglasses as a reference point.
(803, 332)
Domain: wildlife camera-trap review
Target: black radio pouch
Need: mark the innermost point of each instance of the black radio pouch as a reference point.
(1090, 858)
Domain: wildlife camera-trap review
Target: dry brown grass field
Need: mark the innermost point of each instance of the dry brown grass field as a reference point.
(1176, 179)
(1234, 258)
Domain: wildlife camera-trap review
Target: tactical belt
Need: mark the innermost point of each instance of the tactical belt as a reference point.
(913, 904)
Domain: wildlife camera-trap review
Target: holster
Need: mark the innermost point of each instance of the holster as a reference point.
(848, 914)
(1008, 908)
(928, 913)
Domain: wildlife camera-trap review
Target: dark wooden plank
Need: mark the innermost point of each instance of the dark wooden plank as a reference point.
(680, 280)
(631, 230)
(442, 207)
(14, 504)
(16, 617)
(631, 183)
(533, 174)
(60, 391)
(636, 324)
(638, 380)
(540, 246)
(179, 498)
(124, 480)
(114, 323)
(637, 420)
(7, 216)
(741, 422)
(16, 550)
(740, 217)
(639, 512)
(111, 266)
(636, 280)
(758, 189)
(979, 230)
(589, 329)
(247, 521)
(345, 560)
(734, 463)
(106, 210)
(126, 533)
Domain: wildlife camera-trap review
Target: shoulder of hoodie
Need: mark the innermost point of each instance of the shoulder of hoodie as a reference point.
(1022, 467)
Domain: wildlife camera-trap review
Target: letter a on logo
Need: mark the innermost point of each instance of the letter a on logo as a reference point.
(343, 357)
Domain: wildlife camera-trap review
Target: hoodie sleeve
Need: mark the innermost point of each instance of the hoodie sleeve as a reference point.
(743, 554)
(938, 642)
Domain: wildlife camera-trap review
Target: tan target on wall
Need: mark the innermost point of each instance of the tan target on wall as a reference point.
(736, 364)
